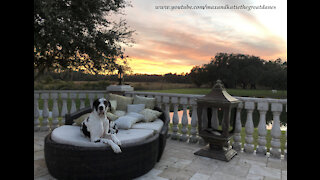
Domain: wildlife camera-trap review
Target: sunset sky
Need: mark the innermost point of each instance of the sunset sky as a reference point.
(176, 40)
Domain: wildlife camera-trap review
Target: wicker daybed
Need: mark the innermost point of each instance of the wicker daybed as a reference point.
(65, 161)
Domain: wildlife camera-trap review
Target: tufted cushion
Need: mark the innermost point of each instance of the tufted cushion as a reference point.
(149, 102)
(150, 115)
(72, 135)
(122, 101)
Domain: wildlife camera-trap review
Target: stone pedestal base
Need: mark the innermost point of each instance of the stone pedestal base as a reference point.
(119, 89)
(222, 154)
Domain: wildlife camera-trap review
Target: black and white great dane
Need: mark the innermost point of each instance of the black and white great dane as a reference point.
(99, 128)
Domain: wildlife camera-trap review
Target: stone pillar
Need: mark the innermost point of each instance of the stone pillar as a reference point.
(55, 111)
(64, 109)
(194, 122)
(262, 131)
(275, 151)
(237, 144)
(36, 112)
(184, 121)
(248, 146)
(45, 112)
(166, 101)
(82, 97)
(73, 97)
(175, 119)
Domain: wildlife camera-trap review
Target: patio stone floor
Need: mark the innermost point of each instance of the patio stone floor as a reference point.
(179, 163)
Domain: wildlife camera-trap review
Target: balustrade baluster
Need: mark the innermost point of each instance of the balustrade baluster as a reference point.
(184, 121)
(194, 122)
(36, 112)
(166, 101)
(237, 143)
(64, 109)
(175, 119)
(73, 97)
(55, 111)
(248, 146)
(275, 152)
(82, 97)
(158, 101)
(262, 131)
(91, 97)
(45, 112)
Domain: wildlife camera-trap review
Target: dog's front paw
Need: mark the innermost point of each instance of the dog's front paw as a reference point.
(116, 149)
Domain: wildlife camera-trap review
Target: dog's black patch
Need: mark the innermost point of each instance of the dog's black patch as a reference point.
(97, 141)
(96, 104)
(85, 129)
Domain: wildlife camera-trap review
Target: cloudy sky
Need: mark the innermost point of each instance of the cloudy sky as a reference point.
(176, 40)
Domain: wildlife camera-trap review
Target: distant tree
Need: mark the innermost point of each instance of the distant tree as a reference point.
(198, 76)
(241, 70)
(73, 34)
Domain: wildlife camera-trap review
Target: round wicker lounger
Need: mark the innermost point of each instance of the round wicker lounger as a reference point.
(73, 162)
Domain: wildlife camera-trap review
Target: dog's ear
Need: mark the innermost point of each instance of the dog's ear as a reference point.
(109, 105)
(95, 104)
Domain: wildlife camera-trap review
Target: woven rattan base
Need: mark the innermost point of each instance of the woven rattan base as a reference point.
(73, 162)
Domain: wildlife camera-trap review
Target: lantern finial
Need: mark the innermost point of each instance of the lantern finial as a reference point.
(218, 85)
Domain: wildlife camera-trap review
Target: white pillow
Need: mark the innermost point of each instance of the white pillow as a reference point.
(150, 115)
(126, 122)
(135, 108)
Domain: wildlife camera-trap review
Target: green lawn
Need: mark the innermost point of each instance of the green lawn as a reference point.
(281, 94)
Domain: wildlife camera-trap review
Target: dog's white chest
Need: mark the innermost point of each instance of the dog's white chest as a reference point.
(96, 128)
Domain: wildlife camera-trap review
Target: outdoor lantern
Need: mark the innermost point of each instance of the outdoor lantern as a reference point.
(120, 75)
(216, 131)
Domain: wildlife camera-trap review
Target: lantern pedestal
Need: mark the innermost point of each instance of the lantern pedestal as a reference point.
(220, 154)
(218, 148)
(119, 89)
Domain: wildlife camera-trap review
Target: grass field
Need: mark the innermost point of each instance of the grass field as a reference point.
(234, 92)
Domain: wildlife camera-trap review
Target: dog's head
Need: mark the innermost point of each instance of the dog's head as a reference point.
(101, 106)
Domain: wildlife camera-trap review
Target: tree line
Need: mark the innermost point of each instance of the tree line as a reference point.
(239, 70)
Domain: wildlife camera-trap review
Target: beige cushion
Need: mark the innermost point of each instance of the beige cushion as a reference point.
(149, 102)
(122, 101)
(111, 116)
(113, 106)
(150, 115)
(78, 121)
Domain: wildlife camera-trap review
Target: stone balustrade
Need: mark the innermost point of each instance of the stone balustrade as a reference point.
(61, 102)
